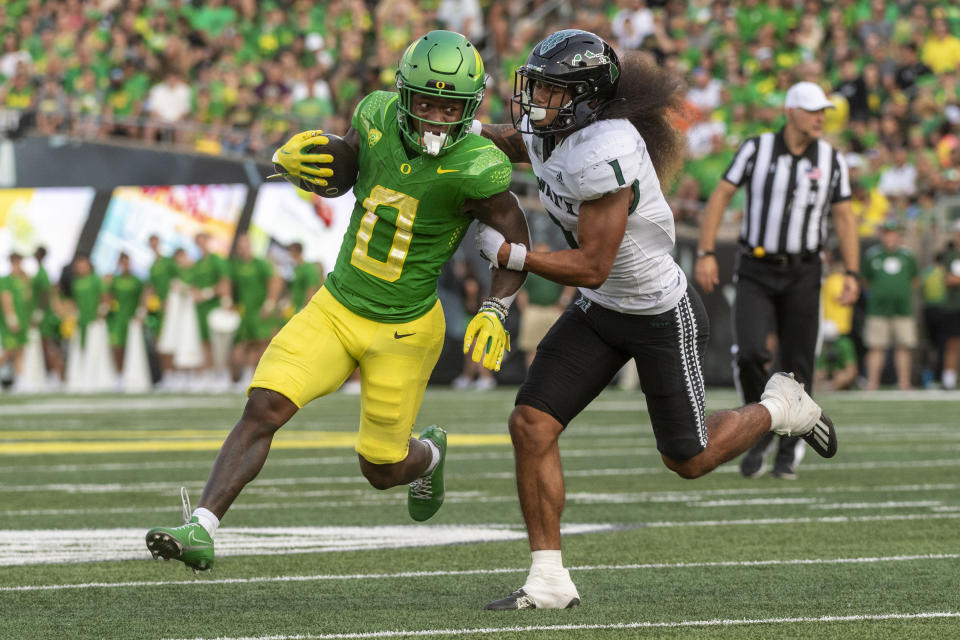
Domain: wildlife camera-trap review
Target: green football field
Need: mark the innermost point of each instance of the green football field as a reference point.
(866, 545)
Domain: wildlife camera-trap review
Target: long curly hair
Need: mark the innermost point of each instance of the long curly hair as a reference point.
(649, 96)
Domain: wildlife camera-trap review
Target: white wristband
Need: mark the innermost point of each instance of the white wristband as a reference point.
(476, 127)
(518, 255)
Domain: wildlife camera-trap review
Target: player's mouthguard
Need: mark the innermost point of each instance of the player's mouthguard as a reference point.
(433, 142)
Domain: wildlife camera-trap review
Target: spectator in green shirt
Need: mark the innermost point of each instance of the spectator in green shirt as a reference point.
(890, 275)
(45, 303)
(210, 279)
(16, 304)
(837, 362)
(162, 272)
(306, 278)
(87, 294)
(255, 291)
(125, 290)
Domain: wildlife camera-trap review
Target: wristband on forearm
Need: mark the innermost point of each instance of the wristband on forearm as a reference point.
(518, 255)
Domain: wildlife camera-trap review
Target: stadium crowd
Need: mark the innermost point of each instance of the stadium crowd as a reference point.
(239, 76)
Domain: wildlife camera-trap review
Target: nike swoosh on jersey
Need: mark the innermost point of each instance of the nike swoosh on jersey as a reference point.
(403, 335)
(441, 170)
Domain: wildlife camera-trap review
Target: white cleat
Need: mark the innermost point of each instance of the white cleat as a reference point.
(794, 413)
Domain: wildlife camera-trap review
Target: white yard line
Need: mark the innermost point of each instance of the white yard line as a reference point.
(368, 498)
(58, 546)
(154, 487)
(865, 617)
(473, 572)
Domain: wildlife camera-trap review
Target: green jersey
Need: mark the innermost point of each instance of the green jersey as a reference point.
(162, 272)
(207, 271)
(409, 216)
(40, 286)
(43, 299)
(86, 292)
(125, 290)
(21, 294)
(305, 277)
(836, 355)
(250, 281)
(889, 276)
(21, 297)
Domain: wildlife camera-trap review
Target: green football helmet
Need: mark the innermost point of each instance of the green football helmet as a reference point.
(446, 65)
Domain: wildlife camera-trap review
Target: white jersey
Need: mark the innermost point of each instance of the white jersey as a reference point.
(601, 158)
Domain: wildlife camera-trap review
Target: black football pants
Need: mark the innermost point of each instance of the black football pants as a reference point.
(780, 301)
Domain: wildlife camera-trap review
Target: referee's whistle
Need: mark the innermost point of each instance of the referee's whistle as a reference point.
(759, 252)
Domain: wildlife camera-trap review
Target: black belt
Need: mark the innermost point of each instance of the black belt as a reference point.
(780, 259)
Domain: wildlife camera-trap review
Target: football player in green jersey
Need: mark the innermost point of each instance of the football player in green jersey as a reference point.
(424, 177)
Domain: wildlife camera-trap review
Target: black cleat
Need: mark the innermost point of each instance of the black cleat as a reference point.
(822, 438)
(520, 600)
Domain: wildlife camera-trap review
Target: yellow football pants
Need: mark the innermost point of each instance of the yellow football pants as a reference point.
(318, 349)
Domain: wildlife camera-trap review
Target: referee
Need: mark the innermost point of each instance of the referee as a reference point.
(792, 178)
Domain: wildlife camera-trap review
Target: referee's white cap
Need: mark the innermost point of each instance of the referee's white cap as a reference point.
(807, 96)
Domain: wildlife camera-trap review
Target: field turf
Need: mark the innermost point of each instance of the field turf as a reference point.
(866, 545)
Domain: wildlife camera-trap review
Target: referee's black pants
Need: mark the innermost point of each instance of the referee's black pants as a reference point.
(779, 297)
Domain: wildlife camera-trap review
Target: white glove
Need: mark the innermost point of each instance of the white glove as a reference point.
(489, 241)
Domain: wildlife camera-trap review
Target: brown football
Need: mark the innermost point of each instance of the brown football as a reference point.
(344, 167)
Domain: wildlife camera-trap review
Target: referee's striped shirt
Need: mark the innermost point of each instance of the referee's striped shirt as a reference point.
(788, 196)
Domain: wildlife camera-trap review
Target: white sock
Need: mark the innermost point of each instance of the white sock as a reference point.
(775, 410)
(949, 379)
(546, 562)
(207, 520)
(434, 457)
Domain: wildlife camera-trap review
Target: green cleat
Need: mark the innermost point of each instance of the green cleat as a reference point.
(189, 543)
(426, 494)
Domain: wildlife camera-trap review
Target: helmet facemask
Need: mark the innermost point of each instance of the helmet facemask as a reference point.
(412, 126)
(442, 64)
(567, 117)
(581, 66)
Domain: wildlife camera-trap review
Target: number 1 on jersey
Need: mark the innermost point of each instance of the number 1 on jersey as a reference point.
(617, 171)
(406, 207)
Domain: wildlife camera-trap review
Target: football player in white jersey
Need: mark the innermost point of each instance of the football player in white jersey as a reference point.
(599, 138)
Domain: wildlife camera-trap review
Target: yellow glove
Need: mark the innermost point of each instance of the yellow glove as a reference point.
(297, 161)
(492, 339)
